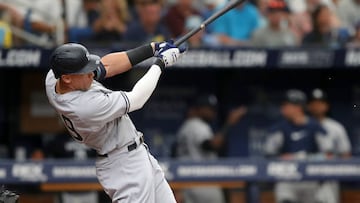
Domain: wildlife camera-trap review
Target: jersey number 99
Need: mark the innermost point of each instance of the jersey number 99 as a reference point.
(70, 126)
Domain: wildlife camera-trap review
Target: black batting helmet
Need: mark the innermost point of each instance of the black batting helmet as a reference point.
(73, 58)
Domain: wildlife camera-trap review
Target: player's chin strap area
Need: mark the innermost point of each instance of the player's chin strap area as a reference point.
(134, 145)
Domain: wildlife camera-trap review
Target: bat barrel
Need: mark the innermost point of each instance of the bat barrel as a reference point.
(213, 17)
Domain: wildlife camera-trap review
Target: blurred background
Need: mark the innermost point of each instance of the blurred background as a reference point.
(247, 60)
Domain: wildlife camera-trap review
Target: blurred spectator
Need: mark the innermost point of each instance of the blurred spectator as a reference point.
(9, 16)
(355, 39)
(80, 16)
(196, 40)
(336, 133)
(349, 13)
(209, 7)
(197, 141)
(112, 23)
(176, 16)
(313, 4)
(5, 29)
(298, 137)
(262, 6)
(299, 19)
(325, 33)
(237, 25)
(276, 33)
(149, 26)
(14, 16)
(40, 19)
(205, 6)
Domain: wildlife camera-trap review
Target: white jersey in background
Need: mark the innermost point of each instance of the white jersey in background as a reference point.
(329, 192)
(97, 117)
(338, 136)
(190, 137)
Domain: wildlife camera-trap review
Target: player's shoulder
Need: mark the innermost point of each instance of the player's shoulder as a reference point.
(195, 125)
(99, 99)
(333, 124)
(95, 95)
(332, 121)
(195, 122)
(279, 125)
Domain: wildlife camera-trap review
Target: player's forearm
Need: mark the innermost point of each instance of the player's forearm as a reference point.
(119, 62)
(116, 63)
(144, 88)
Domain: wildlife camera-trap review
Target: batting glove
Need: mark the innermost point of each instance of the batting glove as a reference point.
(168, 53)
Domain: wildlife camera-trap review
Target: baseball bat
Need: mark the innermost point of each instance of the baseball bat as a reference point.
(213, 17)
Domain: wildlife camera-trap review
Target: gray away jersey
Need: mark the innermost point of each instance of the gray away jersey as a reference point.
(96, 117)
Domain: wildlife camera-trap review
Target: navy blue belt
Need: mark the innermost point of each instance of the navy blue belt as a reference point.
(130, 147)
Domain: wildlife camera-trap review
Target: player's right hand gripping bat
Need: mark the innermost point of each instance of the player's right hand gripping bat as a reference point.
(232, 4)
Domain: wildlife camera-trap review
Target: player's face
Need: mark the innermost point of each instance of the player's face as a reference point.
(318, 108)
(82, 81)
(207, 113)
(289, 110)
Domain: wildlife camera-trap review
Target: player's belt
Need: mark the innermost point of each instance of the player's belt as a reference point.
(130, 147)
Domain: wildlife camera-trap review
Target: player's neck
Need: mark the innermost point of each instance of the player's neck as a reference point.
(62, 88)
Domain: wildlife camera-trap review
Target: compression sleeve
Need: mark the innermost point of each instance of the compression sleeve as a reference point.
(139, 54)
(143, 88)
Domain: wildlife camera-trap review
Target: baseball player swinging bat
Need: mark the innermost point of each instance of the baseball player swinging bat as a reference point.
(98, 117)
(229, 6)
